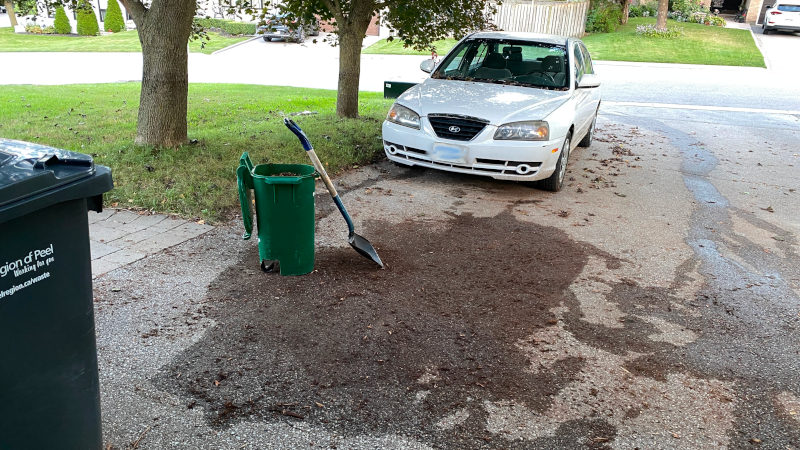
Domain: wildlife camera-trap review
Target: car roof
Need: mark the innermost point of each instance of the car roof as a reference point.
(535, 37)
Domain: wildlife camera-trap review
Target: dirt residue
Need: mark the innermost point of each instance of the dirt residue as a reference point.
(442, 347)
(397, 350)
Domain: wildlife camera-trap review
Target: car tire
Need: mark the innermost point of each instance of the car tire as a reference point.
(587, 139)
(556, 180)
(300, 37)
(766, 30)
(266, 39)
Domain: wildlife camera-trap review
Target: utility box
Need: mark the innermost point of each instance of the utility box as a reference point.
(393, 89)
(49, 388)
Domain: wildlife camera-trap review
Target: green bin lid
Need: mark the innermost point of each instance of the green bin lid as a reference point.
(28, 169)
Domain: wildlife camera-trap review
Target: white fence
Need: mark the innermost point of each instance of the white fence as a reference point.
(563, 18)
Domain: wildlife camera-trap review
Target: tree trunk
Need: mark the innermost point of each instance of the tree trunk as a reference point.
(661, 17)
(164, 34)
(351, 29)
(10, 10)
(626, 9)
(349, 72)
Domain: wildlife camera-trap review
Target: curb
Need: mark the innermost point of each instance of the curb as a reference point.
(672, 65)
(235, 45)
(759, 47)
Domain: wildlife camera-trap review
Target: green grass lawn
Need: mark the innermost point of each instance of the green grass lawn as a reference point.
(126, 41)
(194, 181)
(395, 47)
(700, 44)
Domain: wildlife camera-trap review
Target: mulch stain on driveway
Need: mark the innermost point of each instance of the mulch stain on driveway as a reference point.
(368, 351)
(428, 347)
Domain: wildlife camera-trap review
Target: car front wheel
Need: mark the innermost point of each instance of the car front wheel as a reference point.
(587, 140)
(556, 180)
(300, 36)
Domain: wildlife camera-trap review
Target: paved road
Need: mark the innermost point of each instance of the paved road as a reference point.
(654, 303)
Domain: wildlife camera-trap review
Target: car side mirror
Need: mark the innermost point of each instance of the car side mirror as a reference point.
(427, 65)
(589, 80)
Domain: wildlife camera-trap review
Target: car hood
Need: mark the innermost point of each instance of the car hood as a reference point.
(497, 103)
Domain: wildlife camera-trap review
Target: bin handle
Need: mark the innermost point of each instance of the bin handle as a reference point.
(244, 177)
(283, 180)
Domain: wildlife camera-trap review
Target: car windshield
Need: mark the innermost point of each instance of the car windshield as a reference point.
(519, 63)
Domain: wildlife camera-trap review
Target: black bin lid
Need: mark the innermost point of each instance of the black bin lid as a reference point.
(33, 177)
(27, 169)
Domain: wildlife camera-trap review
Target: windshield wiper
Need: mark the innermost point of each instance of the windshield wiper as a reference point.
(489, 80)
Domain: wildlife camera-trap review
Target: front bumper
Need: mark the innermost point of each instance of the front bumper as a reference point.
(279, 33)
(501, 160)
(782, 27)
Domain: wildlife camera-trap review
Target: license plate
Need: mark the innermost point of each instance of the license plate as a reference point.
(449, 153)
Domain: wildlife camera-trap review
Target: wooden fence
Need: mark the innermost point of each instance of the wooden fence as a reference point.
(565, 18)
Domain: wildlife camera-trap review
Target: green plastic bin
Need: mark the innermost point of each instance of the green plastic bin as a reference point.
(284, 206)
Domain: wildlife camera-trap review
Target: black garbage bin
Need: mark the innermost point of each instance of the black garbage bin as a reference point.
(49, 389)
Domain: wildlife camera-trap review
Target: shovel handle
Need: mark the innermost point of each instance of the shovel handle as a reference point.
(290, 124)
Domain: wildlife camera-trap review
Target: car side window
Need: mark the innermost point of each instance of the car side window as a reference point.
(579, 68)
(455, 66)
(587, 60)
(478, 58)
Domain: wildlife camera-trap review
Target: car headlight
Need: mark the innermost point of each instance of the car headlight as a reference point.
(534, 130)
(401, 115)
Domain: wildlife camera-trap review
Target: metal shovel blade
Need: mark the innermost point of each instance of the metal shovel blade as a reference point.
(363, 247)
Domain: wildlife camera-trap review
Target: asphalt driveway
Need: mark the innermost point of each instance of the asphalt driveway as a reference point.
(651, 304)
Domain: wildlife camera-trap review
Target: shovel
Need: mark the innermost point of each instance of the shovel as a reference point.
(360, 244)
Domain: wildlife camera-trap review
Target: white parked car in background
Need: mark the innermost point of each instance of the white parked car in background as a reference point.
(510, 106)
(783, 15)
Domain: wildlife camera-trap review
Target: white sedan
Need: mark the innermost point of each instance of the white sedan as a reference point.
(784, 15)
(510, 106)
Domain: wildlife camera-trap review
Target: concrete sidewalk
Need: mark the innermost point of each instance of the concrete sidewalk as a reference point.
(120, 237)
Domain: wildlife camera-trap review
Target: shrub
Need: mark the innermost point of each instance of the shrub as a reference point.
(643, 10)
(49, 30)
(687, 7)
(603, 17)
(698, 17)
(227, 26)
(676, 16)
(716, 21)
(113, 22)
(61, 23)
(651, 31)
(32, 28)
(87, 21)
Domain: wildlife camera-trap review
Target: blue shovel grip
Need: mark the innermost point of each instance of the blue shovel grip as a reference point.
(299, 133)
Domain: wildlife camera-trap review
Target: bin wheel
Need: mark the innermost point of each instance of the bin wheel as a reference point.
(272, 267)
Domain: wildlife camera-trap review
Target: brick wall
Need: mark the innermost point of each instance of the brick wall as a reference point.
(373, 29)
